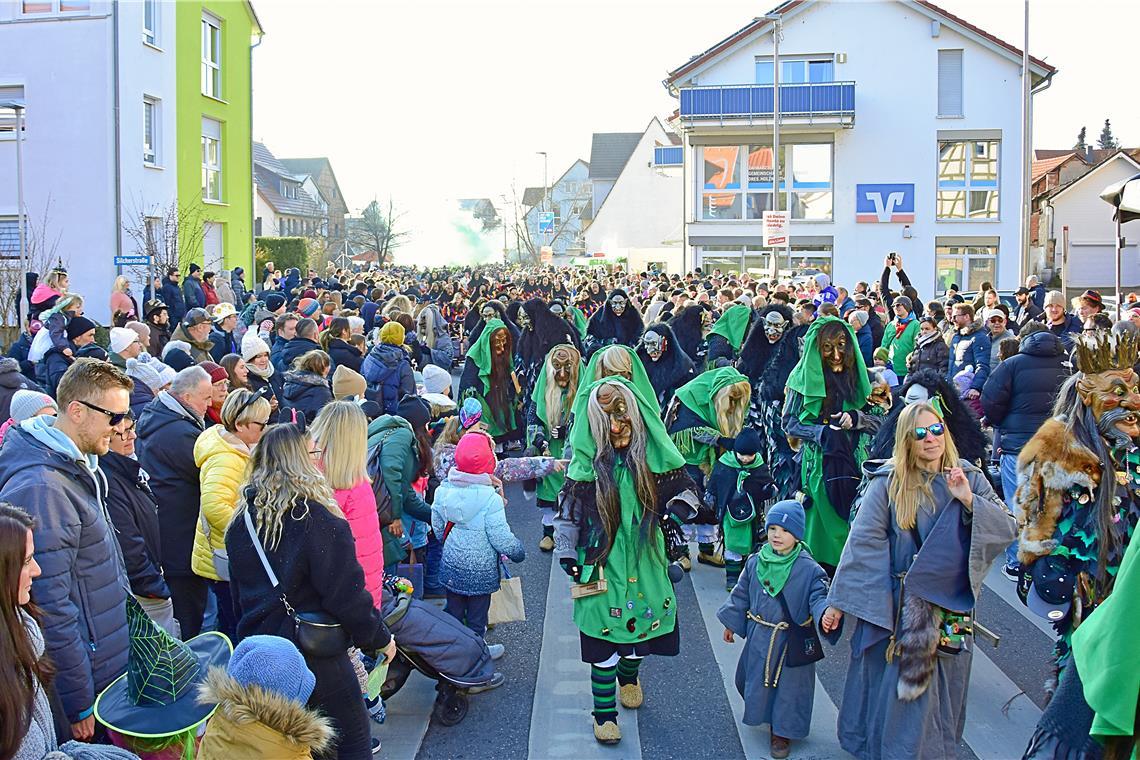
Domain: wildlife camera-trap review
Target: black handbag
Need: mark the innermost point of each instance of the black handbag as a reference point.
(804, 646)
(317, 634)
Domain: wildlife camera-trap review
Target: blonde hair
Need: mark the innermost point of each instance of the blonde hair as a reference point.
(425, 326)
(233, 414)
(54, 278)
(341, 432)
(614, 360)
(731, 404)
(559, 402)
(909, 485)
(312, 361)
(284, 481)
(121, 284)
(450, 434)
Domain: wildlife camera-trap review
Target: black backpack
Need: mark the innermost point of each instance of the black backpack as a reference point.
(379, 490)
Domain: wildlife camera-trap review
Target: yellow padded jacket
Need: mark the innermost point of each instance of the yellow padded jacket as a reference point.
(221, 467)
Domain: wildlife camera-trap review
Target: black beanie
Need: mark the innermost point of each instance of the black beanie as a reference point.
(748, 442)
(415, 410)
(79, 325)
(274, 301)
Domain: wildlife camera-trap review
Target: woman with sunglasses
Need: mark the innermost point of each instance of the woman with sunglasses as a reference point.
(926, 532)
(133, 508)
(222, 454)
(309, 546)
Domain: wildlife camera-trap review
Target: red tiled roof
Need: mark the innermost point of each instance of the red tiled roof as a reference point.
(758, 23)
(1040, 168)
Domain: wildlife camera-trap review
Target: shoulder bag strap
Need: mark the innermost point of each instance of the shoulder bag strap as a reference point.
(787, 612)
(257, 547)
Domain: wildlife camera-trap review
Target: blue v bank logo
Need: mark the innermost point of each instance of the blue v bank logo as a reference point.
(884, 204)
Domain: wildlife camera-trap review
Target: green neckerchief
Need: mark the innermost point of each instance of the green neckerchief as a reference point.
(733, 325)
(480, 353)
(699, 394)
(640, 379)
(538, 395)
(1100, 651)
(807, 376)
(728, 459)
(772, 569)
(660, 452)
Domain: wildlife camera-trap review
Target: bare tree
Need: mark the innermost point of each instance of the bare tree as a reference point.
(530, 249)
(170, 235)
(41, 242)
(378, 230)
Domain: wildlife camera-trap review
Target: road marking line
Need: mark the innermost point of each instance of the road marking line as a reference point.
(560, 719)
(822, 742)
(990, 734)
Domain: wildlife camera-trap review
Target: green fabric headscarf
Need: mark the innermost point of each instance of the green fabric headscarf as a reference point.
(807, 376)
(538, 395)
(640, 379)
(773, 570)
(660, 452)
(580, 321)
(733, 325)
(480, 353)
(699, 394)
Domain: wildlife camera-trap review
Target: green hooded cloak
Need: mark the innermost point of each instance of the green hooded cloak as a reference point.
(640, 602)
(824, 530)
(550, 485)
(580, 321)
(738, 535)
(640, 379)
(480, 353)
(699, 395)
(733, 325)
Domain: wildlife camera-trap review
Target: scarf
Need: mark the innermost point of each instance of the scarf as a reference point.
(699, 394)
(264, 374)
(733, 325)
(728, 459)
(807, 378)
(773, 570)
(901, 325)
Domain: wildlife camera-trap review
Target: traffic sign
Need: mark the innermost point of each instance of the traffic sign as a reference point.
(775, 229)
(132, 261)
(546, 221)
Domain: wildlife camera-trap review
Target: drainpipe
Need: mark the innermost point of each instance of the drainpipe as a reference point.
(252, 200)
(118, 138)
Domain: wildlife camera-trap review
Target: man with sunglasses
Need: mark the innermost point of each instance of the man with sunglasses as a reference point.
(50, 468)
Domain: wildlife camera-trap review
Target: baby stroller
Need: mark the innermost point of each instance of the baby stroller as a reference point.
(439, 646)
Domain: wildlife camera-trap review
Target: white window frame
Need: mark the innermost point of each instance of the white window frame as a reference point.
(967, 186)
(150, 30)
(961, 84)
(211, 68)
(742, 191)
(152, 153)
(212, 132)
(56, 9)
(13, 91)
(969, 252)
(14, 220)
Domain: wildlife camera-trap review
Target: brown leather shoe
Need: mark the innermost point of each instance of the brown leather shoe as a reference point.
(780, 747)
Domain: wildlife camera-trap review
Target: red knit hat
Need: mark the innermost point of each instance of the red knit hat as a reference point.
(217, 372)
(475, 454)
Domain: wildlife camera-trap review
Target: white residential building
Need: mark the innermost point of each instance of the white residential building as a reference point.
(98, 81)
(900, 131)
(640, 218)
(1092, 252)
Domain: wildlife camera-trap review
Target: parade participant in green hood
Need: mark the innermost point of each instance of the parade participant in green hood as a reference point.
(738, 489)
(621, 360)
(727, 335)
(708, 413)
(617, 527)
(827, 393)
(489, 376)
(548, 425)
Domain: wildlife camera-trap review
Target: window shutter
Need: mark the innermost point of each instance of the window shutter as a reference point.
(950, 83)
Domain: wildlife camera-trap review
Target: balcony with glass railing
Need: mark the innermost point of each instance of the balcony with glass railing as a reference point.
(811, 103)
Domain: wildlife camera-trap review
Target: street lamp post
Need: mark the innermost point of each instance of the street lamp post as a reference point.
(545, 186)
(776, 34)
(1124, 196)
(21, 217)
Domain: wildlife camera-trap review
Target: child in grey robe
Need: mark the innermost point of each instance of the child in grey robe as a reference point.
(773, 692)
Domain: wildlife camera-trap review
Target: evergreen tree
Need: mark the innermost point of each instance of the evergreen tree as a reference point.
(1081, 146)
(1106, 140)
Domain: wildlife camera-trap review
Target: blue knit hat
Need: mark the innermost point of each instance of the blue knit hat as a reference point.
(789, 515)
(470, 413)
(274, 664)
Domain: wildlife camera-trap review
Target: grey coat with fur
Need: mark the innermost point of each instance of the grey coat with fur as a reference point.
(874, 722)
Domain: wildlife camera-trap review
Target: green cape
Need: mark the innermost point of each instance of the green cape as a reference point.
(699, 394)
(660, 452)
(733, 325)
(1105, 652)
(480, 352)
(807, 376)
(538, 395)
(640, 379)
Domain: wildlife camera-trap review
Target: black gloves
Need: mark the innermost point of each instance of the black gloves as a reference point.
(571, 568)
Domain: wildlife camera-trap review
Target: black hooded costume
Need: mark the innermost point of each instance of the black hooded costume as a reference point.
(688, 327)
(473, 332)
(544, 332)
(607, 328)
(669, 371)
(963, 424)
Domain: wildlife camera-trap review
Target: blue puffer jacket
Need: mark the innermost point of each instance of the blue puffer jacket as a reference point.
(83, 589)
(480, 534)
(970, 346)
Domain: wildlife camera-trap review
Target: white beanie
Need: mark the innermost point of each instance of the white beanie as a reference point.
(176, 345)
(121, 338)
(436, 379)
(252, 345)
(145, 373)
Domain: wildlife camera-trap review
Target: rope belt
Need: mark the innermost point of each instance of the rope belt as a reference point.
(776, 628)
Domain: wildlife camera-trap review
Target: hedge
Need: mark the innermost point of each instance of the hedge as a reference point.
(284, 252)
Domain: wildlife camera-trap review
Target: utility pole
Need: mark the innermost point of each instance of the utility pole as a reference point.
(777, 33)
(545, 188)
(1026, 149)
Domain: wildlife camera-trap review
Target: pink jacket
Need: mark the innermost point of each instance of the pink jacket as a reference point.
(359, 507)
(121, 303)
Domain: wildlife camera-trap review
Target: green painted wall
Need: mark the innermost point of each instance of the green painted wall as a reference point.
(235, 212)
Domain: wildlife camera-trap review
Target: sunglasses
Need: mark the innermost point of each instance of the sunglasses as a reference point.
(116, 418)
(936, 430)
